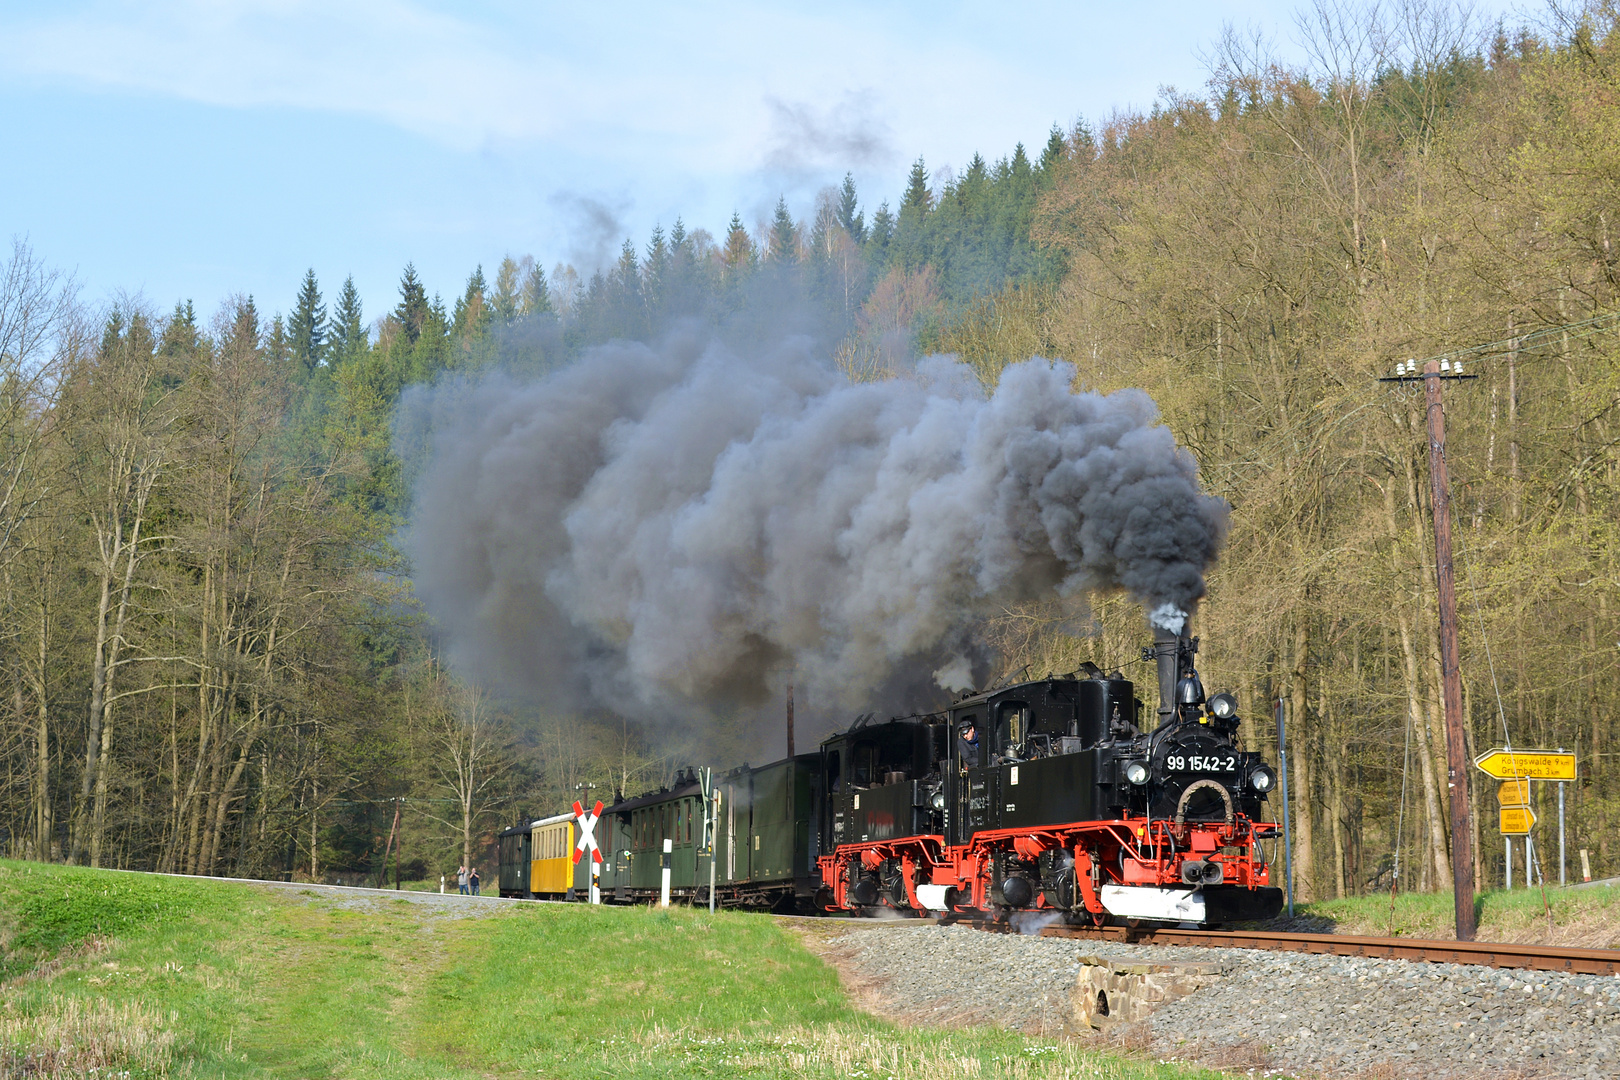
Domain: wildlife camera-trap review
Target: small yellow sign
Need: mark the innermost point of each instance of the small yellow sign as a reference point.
(1531, 764)
(1516, 820)
(1514, 793)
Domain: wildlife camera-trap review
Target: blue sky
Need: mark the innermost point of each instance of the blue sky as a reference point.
(194, 150)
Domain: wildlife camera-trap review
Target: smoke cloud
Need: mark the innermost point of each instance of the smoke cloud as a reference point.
(596, 229)
(666, 531)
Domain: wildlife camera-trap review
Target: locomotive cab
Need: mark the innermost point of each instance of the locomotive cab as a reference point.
(883, 780)
(1041, 746)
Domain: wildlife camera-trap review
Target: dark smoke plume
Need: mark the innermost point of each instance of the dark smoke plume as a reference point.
(664, 531)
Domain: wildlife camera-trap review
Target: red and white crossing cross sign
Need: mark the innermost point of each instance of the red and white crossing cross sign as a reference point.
(587, 832)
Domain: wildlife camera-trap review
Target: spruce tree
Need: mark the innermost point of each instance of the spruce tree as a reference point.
(307, 329)
(626, 306)
(472, 310)
(1056, 150)
(918, 197)
(849, 216)
(180, 336)
(244, 331)
(508, 300)
(784, 236)
(348, 336)
(655, 271)
(412, 312)
(882, 231)
(279, 345)
(737, 254)
(536, 297)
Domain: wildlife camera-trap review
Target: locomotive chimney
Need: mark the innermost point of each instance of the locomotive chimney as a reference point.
(1166, 652)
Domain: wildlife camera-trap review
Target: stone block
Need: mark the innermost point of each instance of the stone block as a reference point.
(1110, 992)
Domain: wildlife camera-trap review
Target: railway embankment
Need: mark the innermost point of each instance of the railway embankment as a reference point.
(1301, 1015)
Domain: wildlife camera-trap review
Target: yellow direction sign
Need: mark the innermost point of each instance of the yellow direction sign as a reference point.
(1514, 793)
(1527, 764)
(1516, 820)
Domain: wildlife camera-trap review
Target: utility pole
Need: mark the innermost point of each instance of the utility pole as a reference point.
(1436, 372)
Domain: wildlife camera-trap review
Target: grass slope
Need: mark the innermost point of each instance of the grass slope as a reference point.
(156, 977)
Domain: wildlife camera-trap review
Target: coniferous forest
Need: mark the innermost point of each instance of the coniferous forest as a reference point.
(212, 661)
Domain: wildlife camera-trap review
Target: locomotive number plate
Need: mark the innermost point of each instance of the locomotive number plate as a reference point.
(1200, 763)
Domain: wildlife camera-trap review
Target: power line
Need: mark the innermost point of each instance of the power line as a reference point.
(1532, 340)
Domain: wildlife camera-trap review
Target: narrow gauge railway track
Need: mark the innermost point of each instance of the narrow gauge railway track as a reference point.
(1498, 954)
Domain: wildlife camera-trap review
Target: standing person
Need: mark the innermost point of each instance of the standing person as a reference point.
(472, 879)
(461, 880)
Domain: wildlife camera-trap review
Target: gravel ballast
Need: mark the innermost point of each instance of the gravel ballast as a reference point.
(1307, 1014)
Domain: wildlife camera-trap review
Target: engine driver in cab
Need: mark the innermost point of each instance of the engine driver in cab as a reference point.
(968, 744)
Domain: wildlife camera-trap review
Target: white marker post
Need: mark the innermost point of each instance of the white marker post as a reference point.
(1562, 878)
(663, 891)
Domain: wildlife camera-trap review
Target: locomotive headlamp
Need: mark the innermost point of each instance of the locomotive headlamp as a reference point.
(1137, 772)
(938, 801)
(1263, 779)
(1223, 706)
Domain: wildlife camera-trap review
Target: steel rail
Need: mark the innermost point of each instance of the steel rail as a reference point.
(1499, 954)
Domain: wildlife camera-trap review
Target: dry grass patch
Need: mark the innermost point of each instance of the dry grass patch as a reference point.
(838, 1052)
(86, 1037)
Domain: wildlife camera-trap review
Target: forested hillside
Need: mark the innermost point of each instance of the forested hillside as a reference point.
(213, 660)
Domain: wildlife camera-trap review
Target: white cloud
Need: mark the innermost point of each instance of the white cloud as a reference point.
(626, 82)
(398, 62)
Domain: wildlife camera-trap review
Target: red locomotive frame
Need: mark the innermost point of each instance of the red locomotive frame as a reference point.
(1131, 850)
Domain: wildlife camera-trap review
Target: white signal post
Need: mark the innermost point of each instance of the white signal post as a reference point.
(587, 842)
(663, 890)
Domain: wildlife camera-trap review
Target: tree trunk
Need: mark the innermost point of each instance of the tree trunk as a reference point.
(98, 690)
(98, 821)
(1335, 778)
(1303, 832)
(1437, 860)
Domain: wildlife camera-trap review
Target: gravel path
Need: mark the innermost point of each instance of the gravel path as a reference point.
(1302, 1014)
(429, 904)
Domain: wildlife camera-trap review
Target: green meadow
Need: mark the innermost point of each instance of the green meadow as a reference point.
(139, 976)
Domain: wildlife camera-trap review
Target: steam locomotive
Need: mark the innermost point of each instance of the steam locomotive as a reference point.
(1053, 796)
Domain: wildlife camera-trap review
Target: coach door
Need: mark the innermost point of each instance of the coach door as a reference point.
(731, 832)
